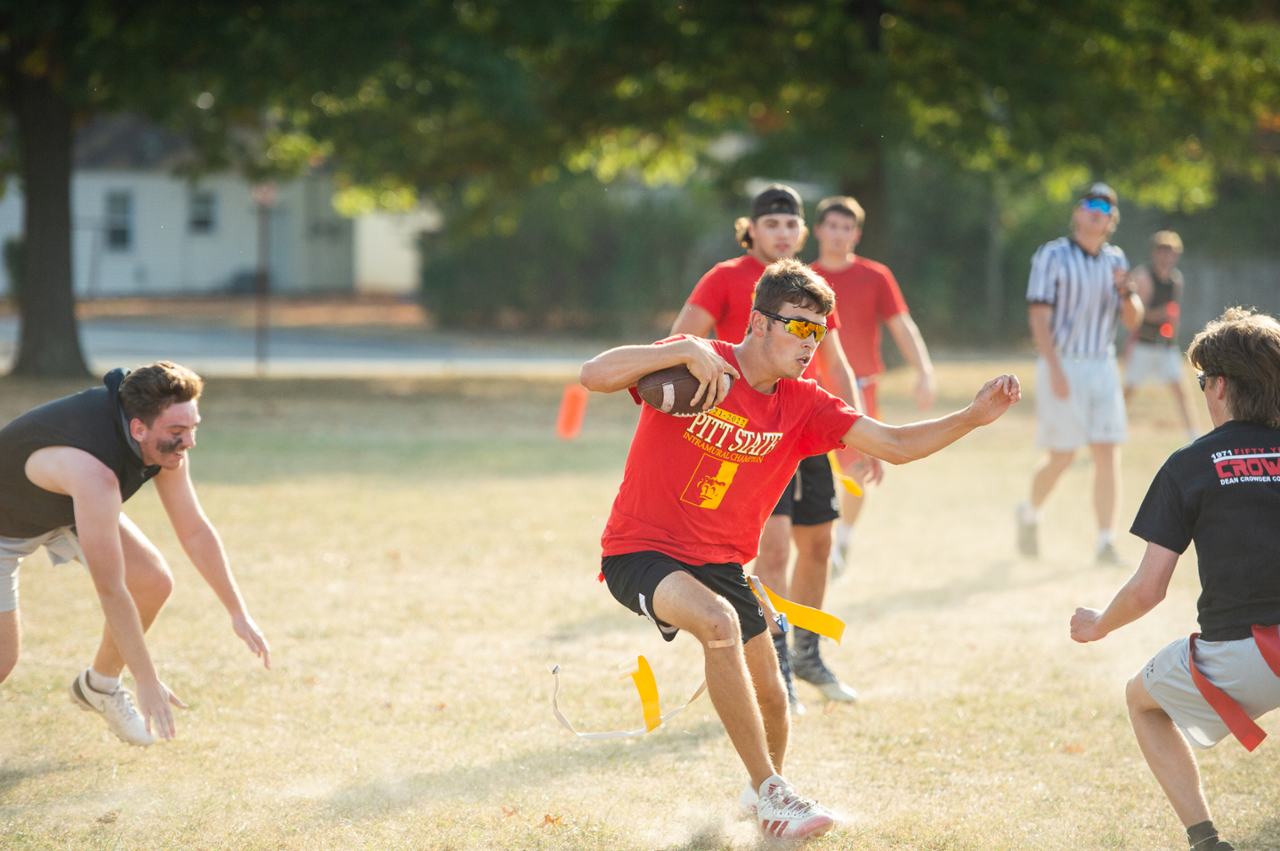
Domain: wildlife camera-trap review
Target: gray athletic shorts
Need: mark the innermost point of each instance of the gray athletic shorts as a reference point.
(61, 544)
(1154, 363)
(1236, 667)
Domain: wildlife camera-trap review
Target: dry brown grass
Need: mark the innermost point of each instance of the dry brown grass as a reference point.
(420, 554)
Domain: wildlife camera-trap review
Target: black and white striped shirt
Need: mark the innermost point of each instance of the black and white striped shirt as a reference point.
(1081, 288)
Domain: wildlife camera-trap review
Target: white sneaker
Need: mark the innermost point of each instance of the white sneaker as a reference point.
(747, 800)
(783, 814)
(116, 707)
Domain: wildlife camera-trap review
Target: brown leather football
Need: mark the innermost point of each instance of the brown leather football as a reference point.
(671, 391)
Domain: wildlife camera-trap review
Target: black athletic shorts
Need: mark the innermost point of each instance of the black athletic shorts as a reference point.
(632, 578)
(810, 497)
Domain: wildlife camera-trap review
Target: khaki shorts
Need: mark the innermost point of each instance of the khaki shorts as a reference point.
(61, 544)
(1236, 667)
(1093, 411)
(1153, 363)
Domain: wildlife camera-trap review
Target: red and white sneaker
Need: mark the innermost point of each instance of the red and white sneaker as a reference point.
(783, 814)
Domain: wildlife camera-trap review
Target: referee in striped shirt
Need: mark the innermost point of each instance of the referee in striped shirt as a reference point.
(1078, 286)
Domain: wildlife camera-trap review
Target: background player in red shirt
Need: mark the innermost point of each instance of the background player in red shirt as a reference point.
(696, 492)
(722, 301)
(866, 296)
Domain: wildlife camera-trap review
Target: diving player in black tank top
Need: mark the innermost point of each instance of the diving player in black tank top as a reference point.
(66, 468)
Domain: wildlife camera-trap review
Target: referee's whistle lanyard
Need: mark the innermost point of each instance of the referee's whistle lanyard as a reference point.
(1238, 722)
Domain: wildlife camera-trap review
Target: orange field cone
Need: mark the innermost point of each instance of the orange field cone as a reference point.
(573, 407)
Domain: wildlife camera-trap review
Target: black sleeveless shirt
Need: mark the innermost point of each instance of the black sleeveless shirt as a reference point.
(1162, 293)
(90, 420)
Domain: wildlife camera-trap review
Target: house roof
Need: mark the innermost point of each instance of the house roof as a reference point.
(128, 142)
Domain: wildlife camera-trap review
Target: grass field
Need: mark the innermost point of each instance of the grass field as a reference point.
(419, 555)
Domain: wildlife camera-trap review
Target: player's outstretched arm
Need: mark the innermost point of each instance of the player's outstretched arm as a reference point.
(620, 368)
(95, 493)
(1142, 593)
(900, 444)
(201, 543)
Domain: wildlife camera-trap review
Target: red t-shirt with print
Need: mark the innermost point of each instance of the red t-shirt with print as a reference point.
(699, 489)
(866, 295)
(727, 292)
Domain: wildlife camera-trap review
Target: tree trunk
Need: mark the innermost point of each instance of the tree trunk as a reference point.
(869, 190)
(995, 257)
(49, 344)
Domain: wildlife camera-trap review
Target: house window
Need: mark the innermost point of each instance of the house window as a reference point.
(202, 215)
(119, 220)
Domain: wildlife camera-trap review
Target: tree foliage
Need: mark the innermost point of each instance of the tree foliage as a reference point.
(473, 101)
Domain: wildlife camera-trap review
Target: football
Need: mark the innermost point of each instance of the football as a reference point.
(671, 391)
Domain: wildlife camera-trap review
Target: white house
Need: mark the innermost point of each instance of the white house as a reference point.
(140, 230)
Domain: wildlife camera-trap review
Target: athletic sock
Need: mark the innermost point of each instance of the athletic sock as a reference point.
(101, 683)
(1028, 515)
(1202, 836)
(1105, 538)
(806, 643)
(844, 532)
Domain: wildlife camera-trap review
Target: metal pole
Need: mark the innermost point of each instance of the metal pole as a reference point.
(262, 288)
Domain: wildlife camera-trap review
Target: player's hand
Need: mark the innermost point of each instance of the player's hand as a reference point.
(925, 390)
(711, 370)
(995, 397)
(252, 636)
(155, 703)
(875, 470)
(1084, 625)
(1120, 277)
(1058, 381)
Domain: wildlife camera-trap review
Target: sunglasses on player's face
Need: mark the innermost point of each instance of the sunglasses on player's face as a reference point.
(801, 328)
(1102, 205)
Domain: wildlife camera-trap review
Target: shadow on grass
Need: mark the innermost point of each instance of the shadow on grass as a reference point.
(12, 778)
(248, 460)
(1265, 838)
(957, 592)
(530, 770)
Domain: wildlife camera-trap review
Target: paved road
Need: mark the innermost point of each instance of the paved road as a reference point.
(310, 352)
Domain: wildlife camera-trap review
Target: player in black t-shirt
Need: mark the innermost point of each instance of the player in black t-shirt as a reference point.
(66, 468)
(1223, 493)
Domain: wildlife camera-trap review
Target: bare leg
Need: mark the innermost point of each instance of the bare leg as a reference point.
(771, 697)
(1167, 754)
(1183, 408)
(850, 505)
(10, 642)
(809, 580)
(775, 552)
(1128, 395)
(1046, 475)
(1106, 483)
(684, 602)
(149, 582)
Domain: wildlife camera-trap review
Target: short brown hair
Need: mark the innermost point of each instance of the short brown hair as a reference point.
(789, 281)
(844, 204)
(146, 392)
(1167, 238)
(1244, 346)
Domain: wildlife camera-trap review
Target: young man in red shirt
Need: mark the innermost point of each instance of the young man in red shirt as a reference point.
(867, 296)
(722, 301)
(696, 492)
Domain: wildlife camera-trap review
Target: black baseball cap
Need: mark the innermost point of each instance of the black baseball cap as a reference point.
(777, 198)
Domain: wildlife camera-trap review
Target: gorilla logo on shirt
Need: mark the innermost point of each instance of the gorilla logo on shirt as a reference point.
(709, 483)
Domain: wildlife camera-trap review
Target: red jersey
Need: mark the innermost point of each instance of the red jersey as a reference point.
(867, 295)
(727, 293)
(699, 489)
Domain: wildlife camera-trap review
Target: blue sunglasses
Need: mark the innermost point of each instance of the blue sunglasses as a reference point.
(1102, 205)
